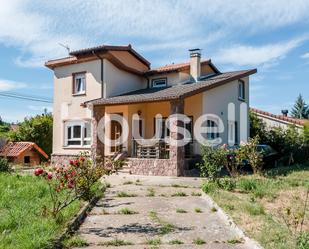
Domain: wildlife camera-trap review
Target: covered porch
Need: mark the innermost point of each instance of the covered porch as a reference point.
(151, 154)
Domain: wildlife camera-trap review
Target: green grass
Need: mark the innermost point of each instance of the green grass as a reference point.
(181, 211)
(166, 227)
(75, 241)
(116, 242)
(151, 192)
(175, 242)
(257, 203)
(153, 242)
(198, 210)
(178, 186)
(127, 183)
(125, 194)
(179, 194)
(126, 211)
(196, 194)
(213, 209)
(198, 241)
(22, 223)
(235, 241)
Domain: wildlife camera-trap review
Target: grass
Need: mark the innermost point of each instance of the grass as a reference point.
(259, 201)
(196, 194)
(213, 209)
(178, 186)
(179, 194)
(75, 241)
(181, 211)
(151, 192)
(235, 241)
(127, 183)
(126, 211)
(23, 224)
(123, 194)
(175, 242)
(198, 241)
(116, 242)
(198, 210)
(153, 242)
(165, 228)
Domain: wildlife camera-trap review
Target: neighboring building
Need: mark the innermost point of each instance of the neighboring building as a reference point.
(283, 121)
(96, 82)
(23, 153)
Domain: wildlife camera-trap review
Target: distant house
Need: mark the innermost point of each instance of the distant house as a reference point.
(24, 153)
(283, 121)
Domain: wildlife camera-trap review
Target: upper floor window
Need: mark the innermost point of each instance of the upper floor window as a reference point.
(241, 90)
(79, 83)
(77, 133)
(159, 82)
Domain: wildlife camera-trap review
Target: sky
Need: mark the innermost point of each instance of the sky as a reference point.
(270, 35)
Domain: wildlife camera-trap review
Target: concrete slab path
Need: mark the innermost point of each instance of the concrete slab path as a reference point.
(157, 212)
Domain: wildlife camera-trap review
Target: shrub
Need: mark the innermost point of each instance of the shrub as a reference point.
(213, 161)
(4, 165)
(227, 183)
(209, 187)
(303, 240)
(254, 157)
(247, 184)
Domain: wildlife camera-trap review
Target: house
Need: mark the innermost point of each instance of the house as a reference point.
(283, 121)
(98, 82)
(23, 153)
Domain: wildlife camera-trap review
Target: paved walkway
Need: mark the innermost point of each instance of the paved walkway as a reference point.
(167, 213)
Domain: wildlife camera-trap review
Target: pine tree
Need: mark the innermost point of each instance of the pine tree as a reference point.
(300, 109)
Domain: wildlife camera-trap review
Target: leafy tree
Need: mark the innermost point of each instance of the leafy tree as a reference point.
(300, 109)
(37, 129)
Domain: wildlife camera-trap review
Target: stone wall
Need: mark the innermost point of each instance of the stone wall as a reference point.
(62, 159)
(155, 167)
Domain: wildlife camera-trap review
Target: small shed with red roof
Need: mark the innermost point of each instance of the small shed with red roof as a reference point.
(24, 153)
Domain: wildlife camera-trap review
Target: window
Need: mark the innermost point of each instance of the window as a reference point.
(241, 90)
(214, 134)
(79, 83)
(159, 82)
(26, 159)
(77, 133)
(160, 129)
(232, 132)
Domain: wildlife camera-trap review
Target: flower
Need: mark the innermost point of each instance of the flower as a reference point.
(71, 162)
(49, 175)
(38, 171)
(82, 158)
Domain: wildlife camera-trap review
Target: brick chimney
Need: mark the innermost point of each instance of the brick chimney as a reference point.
(195, 63)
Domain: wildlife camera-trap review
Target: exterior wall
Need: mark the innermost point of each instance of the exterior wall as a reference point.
(117, 81)
(34, 158)
(271, 123)
(216, 100)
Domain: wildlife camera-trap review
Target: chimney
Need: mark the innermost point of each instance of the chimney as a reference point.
(285, 113)
(195, 63)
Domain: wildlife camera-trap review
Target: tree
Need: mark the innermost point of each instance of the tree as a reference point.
(300, 109)
(37, 129)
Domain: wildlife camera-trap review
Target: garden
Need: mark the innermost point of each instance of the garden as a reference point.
(36, 209)
(269, 202)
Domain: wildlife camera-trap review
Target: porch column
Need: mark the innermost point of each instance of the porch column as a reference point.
(97, 148)
(177, 153)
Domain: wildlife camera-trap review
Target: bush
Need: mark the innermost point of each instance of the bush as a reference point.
(247, 184)
(4, 165)
(213, 161)
(209, 187)
(303, 240)
(227, 183)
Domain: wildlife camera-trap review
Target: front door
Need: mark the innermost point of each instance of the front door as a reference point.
(116, 131)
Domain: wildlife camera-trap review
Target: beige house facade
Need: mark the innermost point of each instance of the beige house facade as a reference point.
(98, 82)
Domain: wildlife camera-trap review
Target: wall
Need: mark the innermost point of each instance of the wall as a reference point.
(216, 100)
(270, 122)
(34, 157)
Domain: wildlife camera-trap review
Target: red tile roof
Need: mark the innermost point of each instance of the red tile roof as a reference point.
(14, 149)
(178, 67)
(279, 117)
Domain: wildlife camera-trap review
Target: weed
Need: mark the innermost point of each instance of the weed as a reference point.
(179, 194)
(151, 192)
(181, 211)
(126, 211)
(153, 242)
(178, 186)
(198, 241)
(127, 183)
(167, 228)
(124, 194)
(75, 241)
(196, 194)
(235, 241)
(213, 209)
(175, 242)
(116, 242)
(255, 209)
(198, 210)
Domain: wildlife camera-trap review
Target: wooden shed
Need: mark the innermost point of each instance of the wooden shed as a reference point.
(23, 153)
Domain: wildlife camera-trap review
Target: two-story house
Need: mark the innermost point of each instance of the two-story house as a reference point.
(97, 82)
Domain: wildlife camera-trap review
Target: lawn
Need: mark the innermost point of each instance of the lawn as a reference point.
(23, 222)
(259, 205)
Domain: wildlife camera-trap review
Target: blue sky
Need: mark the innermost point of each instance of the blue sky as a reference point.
(272, 36)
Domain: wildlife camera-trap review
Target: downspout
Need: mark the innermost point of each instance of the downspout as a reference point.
(102, 72)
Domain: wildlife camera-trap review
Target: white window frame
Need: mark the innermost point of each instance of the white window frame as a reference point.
(82, 139)
(154, 82)
(82, 77)
(241, 90)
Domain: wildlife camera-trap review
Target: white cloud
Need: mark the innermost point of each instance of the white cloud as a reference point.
(36, 27)
(267, 55)
(40, 108)
(8, 85)
(305, 56)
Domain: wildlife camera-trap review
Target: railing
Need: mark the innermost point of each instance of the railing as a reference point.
(149, 148)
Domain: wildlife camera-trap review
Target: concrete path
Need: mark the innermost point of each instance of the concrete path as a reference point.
(157, 212)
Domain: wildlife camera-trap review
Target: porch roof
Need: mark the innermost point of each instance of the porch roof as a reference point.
(172, 92)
